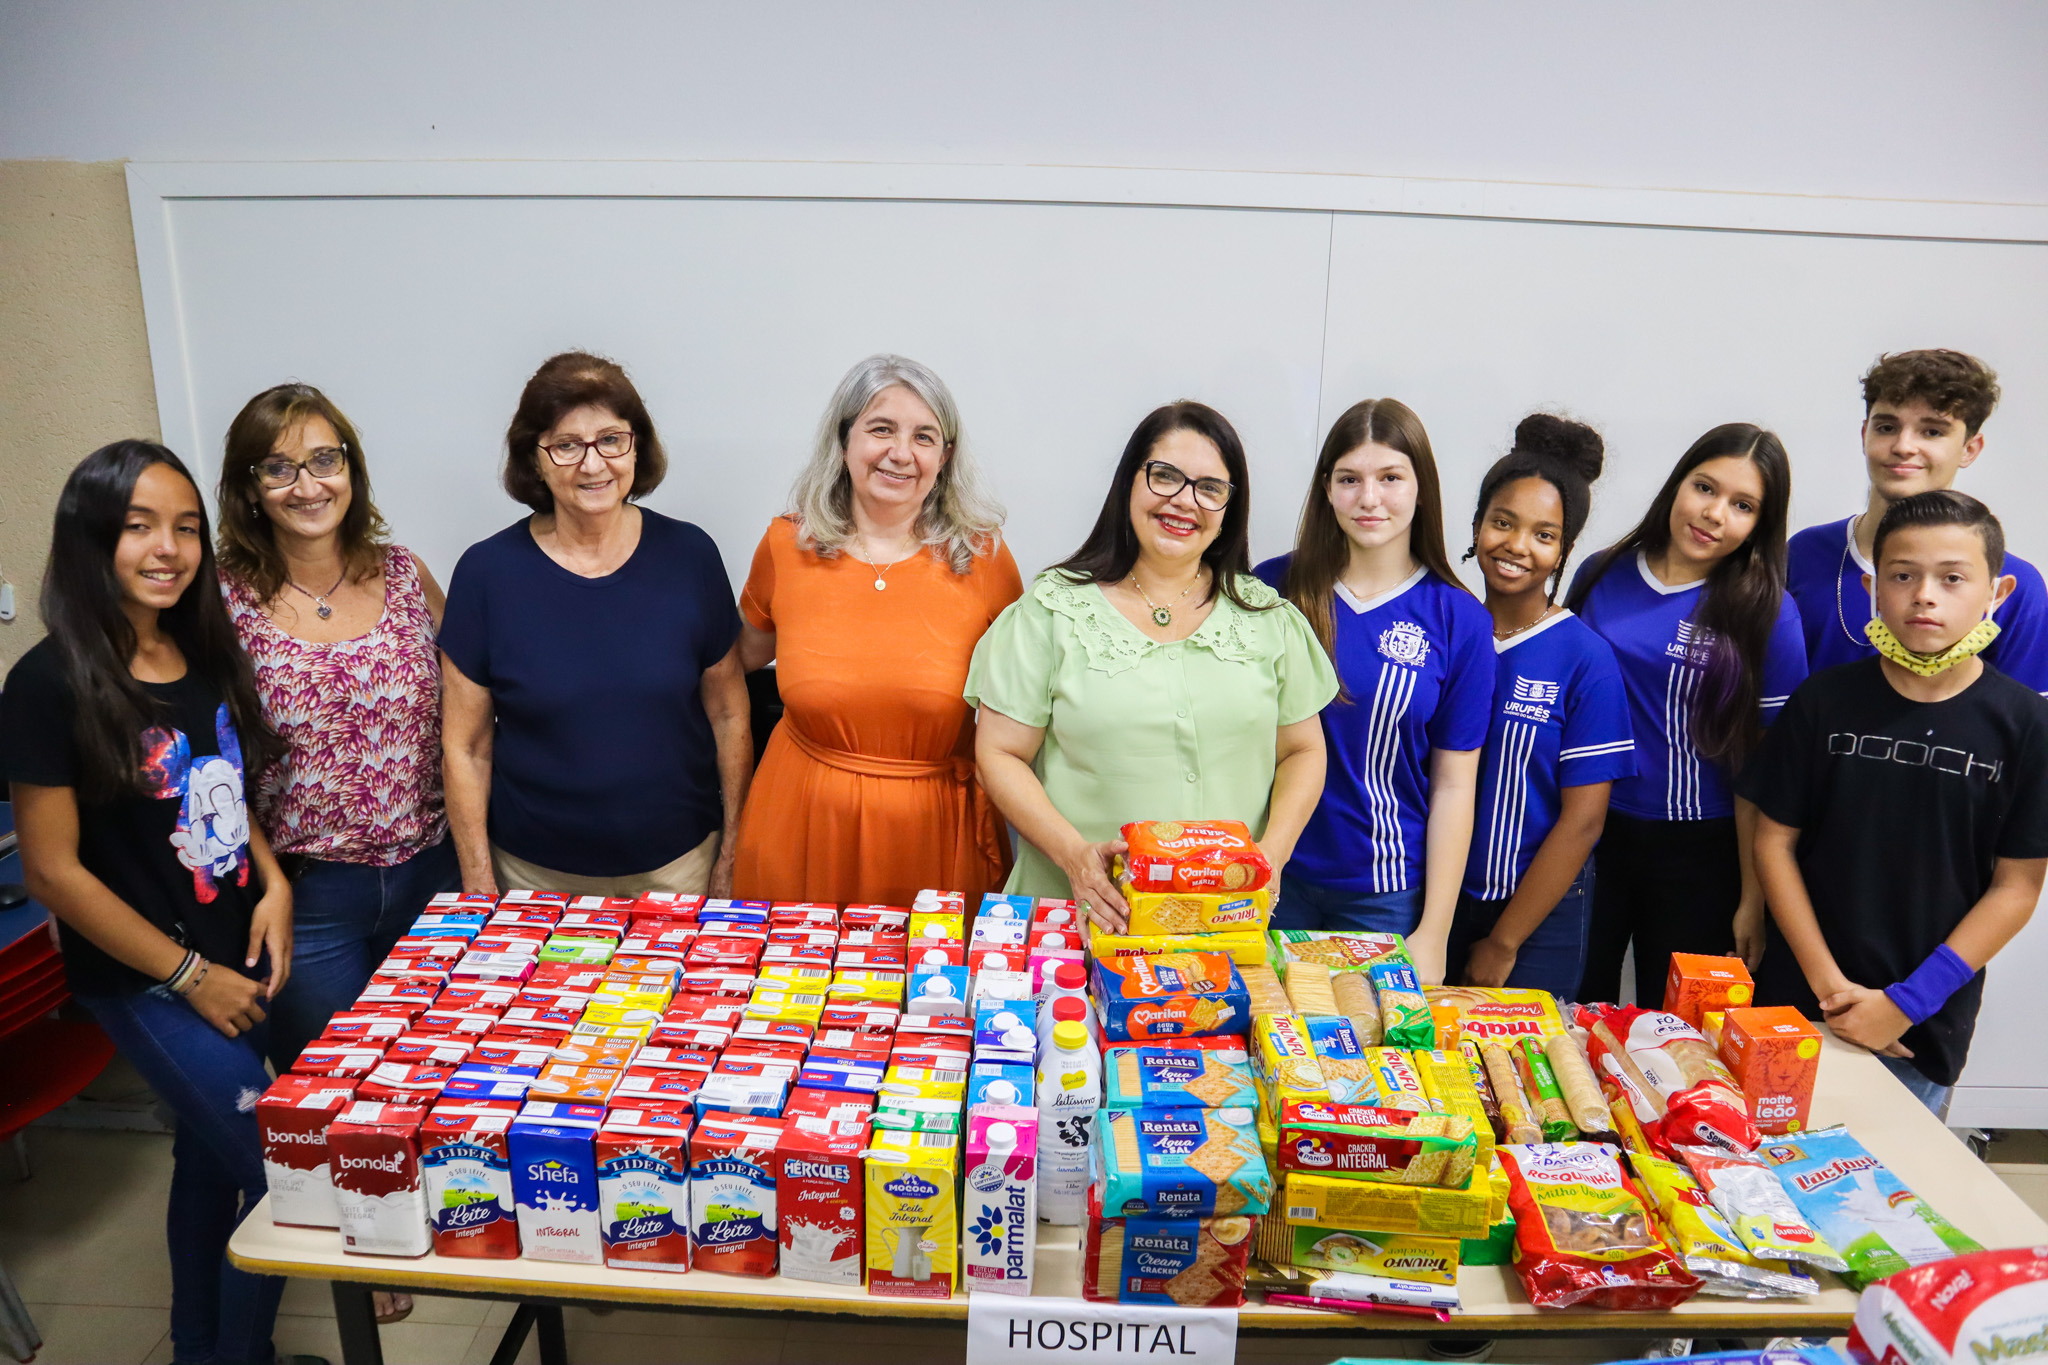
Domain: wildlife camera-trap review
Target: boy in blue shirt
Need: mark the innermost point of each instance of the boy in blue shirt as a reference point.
(1886, 929)
(1923, 424)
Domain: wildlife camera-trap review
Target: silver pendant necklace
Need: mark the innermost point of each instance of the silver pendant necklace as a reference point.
(1163, 616)
(320, 598)
(880, 569)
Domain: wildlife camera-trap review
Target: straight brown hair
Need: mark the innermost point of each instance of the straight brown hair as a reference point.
(1321, 548)
(248, 544)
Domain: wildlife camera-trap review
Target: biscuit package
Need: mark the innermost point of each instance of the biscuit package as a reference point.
(1405, 1020)
(1391, 1145)
(1308, 988)
(1854, 1201)
(1671, 1078)
(1179, 1072)
(1263, 988)
(1182, 1162)
(1284, 1062)
(1345, 1201)
(1194, 912)
(1488, 1014)
(1341, 950)
(1194, 855)
(1583, 1231)
(1394, 1255)
(1245, 947)
(1172, 995)
(1192, 1262)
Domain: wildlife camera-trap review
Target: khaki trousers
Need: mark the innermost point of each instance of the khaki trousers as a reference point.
(689, 875)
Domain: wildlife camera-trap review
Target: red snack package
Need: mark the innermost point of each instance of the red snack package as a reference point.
(1583, 1231)
(1670, 1077)
(1193, 855)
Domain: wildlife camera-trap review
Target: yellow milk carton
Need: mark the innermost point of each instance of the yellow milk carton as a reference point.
(913, 1221)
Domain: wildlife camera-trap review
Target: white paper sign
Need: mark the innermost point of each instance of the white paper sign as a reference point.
(1006, 1331)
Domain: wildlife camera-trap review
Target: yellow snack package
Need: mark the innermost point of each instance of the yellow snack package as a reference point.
(1705, 1242)
(1284, 1062)
(1346, 1202)
(1246, 948)
(1398, 1082)
(1447, 1080)
(1392, 1255)
(1196, 912)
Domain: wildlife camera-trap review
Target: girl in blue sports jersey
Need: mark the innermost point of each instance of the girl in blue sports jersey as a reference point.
(1559, 733)
(1385, 849)
(1694, 602)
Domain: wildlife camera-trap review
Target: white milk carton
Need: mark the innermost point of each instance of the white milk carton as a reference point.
(999, 1206)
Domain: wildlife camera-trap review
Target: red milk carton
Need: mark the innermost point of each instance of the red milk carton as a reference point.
(292, 1118)
(374, 1151)
(405, 1082)
(733, 1167)
(372, 1027)
(819, 1199)
(466, 1163)
(352, 1061)
(643, 1185)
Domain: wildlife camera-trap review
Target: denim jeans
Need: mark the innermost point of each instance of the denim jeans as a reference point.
(211, 1082)
(1935, 1097)
(345, 917)
(1551, 959)
(1304, 905)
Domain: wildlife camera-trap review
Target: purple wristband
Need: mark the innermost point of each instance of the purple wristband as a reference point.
(1931, 984)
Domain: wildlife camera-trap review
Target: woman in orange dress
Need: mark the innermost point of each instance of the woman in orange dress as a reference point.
(870, 594)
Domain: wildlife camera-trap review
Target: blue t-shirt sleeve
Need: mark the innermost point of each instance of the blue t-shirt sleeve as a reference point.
(1784, 660)
(464, 637)
(721, 614)
(1597, 744)
(1466, 707)
(2021, 649)
(1273, 572)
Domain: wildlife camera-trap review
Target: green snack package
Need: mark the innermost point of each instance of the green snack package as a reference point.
(1404, 1011)
(1544, 1092)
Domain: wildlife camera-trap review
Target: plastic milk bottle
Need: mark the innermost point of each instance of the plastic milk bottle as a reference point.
(1069, 1092)
(1074, 987)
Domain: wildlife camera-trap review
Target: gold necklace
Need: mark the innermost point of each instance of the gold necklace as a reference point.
(1548, 612)
(1163, 616)
(879, 569)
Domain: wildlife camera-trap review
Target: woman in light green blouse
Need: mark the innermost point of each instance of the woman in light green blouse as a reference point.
(1150, 676)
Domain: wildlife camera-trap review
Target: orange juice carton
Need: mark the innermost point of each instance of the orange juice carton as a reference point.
(374, 1154)
(292, 1119)
(466, 1160)
(573, 1084)
(643, 1186)
(913, 1225)
(819, 1200)
(1697, 983)
(1774, 1055)
(733, 1166)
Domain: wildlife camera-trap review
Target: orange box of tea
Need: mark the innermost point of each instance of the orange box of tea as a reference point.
(1697, 984)
(1774, 1055)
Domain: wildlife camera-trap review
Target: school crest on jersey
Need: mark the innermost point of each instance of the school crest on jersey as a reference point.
(1404, 643)
(1532, 700)
(1695, 643)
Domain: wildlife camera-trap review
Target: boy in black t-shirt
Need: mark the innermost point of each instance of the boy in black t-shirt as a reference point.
(1904, 802)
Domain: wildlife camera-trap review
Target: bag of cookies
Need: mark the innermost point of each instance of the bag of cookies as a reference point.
(1583, 1231)
(1194, 855)
(1192, 1262)
(1182, 1162)
(1212, 1073)
(1263, 986)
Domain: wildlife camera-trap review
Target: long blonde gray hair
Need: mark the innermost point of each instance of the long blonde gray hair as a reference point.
(959, 519)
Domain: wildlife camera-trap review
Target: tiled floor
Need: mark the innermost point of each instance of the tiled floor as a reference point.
(84, 1242)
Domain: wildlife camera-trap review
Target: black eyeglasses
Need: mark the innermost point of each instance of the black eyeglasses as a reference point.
(613, 445)
(281, 472)
(1165, 480)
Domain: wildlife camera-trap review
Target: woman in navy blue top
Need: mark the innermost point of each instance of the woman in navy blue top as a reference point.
(1559, 734)
(1693, 601)
(596, 725)
(1385, 850)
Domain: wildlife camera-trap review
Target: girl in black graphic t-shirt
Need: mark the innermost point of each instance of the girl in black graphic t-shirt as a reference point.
(128, 738)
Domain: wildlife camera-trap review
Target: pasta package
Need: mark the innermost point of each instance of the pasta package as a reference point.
(1748, 1194)
(1357, 1002)
(1584, 1234)
(1171, 995)
(1308, 987)
(1345, 1201)
(1499, 1013)
(1263, 986)
(1404, 1011)
(1180, 1162)
(1284, 1061)
(1192, 1262)
(1195, 912)
(1574, 1073)
(1245, 947)
(1194, 855)
(1390, 1145)
(1671, 1078)
(1852, 1199)
(1173, 1073)
(1705, 1242)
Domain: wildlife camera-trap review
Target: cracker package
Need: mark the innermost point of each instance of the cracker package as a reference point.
(1852, 1199)
(1181, 1162)
(1397, 1081)
(1447, 1080)
(1192, 1262)
(1405, 1020)
(1584, 1234)
(1390, 1145)
(1499, 1013)
(1245, 947)
(1345, 1201)
(1394, 1255)
(1680, 1092)
(1284, 1062)
(1748, 1194)
(1346, 1062)
(1263, 988)
(1705, 1242)
(1574, 1073)
(1341, 950)
(1194, 855)
(1194, 912)
(1179, 1072)
(1357, 1002)
(1173, 995)
(1308, 988)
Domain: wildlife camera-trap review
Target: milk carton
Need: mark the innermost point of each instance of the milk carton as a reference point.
(466, 1160)
(819, 1200)
(913, 1232)
(374, 1152)
(554, 1180)
(732, 1193)
(643, 1186)
(292, 1118)
(1000, 1199)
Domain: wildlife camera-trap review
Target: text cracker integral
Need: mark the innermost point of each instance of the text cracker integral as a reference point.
(1389, 1145)
(1194, 855)
(1192, 1262)
(1181, 1162)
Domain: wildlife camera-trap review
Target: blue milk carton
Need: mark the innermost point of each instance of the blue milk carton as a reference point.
(554, 1181)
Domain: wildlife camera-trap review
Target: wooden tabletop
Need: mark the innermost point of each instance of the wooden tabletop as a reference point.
(1853, 1088)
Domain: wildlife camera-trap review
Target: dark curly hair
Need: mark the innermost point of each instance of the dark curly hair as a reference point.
(1569, 455)
(1952, 383)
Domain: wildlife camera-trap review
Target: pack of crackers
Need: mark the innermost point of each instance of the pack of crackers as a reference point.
(1181, 1163)
(1210, 1073)
(1194, 855)
(1192, 1262)
(1172, 995)
(1391, 1145)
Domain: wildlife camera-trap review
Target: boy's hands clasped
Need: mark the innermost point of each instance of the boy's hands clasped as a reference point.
(1867, 1018)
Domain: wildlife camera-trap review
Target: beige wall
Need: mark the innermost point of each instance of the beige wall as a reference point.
(74, 358)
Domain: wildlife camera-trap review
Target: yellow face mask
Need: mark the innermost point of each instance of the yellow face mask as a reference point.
(1974, 643)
